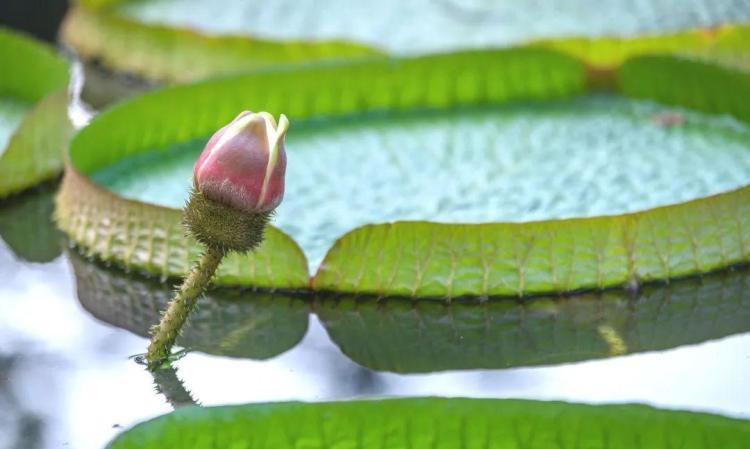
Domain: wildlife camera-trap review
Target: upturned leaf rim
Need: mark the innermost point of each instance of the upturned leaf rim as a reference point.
(436, 260)
(94, 29)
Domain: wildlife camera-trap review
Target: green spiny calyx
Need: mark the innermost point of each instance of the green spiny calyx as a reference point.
(215, 224)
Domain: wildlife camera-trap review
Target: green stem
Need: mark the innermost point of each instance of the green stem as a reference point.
(165, 333)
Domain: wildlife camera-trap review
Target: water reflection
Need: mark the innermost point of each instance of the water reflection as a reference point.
(169, 385)
(413, 337)
(66, 379)
(229, 322)
(407, 336)
(26, 225)
(20, 425)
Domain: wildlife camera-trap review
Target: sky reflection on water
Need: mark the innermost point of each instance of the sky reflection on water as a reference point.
(66, 379)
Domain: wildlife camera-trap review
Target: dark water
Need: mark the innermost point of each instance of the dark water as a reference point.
(68, 327)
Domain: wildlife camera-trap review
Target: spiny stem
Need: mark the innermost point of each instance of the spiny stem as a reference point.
(165, 333)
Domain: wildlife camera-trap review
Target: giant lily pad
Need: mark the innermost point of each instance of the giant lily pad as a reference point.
(453, 109)
(124, 56)
(189, 40)
(34, 126)
(436, 423)
(151, 239)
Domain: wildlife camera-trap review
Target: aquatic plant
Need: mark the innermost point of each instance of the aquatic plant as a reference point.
(238, 181)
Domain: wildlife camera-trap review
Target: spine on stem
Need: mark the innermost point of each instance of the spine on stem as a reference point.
(165, 333)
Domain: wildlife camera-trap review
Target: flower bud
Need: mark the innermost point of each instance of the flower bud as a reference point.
(238, 181)
(243, 164)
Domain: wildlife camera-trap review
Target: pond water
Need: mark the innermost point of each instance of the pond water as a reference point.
(442, 24)
(68, 328)
(586, 156)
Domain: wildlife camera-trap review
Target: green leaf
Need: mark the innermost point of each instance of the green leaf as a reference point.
(436, 423)
(516, 163)
(728, 44)
(35, 151)
(422, 259)
(696, 84)
(150, 238)
(168, 54)
(386, 110)
(160, 39)
(33, 108)
(36, 70)
(228, 322)
(425, 336)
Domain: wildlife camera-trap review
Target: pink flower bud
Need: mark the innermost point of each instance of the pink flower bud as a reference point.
(243, 164)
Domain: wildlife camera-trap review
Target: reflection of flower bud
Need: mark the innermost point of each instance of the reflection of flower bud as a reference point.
(243, 164)
(238, 181)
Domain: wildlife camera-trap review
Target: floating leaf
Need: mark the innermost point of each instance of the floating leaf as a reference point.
(34, 126)
(726, 43)
(696, 84)
(416, 100)
(150, 238)
(194, 39)
(430, 259)
(163, 53)
(423, 423)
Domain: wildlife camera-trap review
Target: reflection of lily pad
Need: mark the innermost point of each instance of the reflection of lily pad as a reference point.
(436, 423)
(405, 336)
(27, 227)
(230, 322)
(34, 126)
